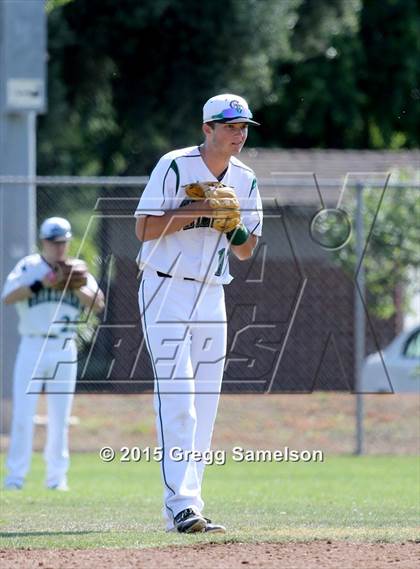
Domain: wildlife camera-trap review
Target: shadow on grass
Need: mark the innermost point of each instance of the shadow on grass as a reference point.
(41, 533)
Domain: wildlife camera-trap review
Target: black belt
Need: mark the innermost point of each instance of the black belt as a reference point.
(166, 276)
(43, 335)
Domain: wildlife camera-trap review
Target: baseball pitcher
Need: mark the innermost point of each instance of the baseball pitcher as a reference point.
(200, 205)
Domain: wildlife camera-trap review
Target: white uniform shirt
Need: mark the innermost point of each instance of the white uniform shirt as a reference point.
(197, 251)
(48, 311)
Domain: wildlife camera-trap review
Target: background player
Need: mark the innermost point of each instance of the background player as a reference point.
(185, 262)
(47, 354)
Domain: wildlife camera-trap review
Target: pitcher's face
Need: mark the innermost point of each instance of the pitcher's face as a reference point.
(227, 138)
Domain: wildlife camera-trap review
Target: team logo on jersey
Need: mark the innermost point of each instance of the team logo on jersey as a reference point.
(199, 222)
(51, 295)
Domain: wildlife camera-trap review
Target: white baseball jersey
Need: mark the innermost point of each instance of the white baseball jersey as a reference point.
(197, 251)
(49, 311)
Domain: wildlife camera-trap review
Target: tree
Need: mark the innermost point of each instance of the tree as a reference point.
(352, 78)
(390, 77)
(316, 101)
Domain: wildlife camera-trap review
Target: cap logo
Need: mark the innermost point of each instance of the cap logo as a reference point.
(237, 106)
(56, 230)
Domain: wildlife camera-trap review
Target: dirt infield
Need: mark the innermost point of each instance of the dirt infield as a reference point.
(314, 555)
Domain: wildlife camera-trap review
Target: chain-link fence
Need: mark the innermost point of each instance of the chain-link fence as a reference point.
(291, 308)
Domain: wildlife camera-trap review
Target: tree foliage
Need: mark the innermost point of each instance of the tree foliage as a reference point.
(390, 36)
(127, 79)
(352, 81)
(392, 253)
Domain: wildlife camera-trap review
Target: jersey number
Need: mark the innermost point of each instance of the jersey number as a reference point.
(222, 257)
(66, 319)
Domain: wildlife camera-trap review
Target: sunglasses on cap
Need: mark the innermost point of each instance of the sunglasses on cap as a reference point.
(234, 112)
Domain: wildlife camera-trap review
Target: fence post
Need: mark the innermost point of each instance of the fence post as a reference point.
(22, 96)
(359, 318)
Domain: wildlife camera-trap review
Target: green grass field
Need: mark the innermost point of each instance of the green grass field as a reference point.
(118, 504)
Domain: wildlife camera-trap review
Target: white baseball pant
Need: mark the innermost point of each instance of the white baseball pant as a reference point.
(184, 324)
(52, 362)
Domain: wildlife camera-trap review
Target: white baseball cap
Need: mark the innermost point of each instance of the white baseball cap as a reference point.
(55, 229)
(227, 108)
